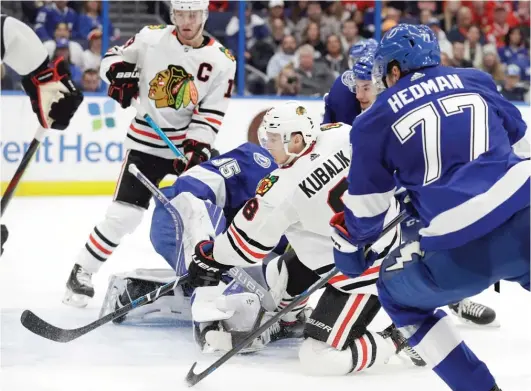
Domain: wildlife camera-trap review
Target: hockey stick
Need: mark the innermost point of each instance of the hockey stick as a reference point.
(24, 163)
(46, 330)
(194, 378)
(158, 130)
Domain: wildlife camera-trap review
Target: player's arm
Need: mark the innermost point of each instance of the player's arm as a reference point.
(208, 117)
(329, 115)
(118, 68)
(54, 98)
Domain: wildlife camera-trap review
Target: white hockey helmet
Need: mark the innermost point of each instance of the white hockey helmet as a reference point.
(283, 120)
(190, 5)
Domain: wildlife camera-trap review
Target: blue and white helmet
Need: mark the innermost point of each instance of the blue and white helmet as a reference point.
(363, 69)
(411, 46)
(359, 50)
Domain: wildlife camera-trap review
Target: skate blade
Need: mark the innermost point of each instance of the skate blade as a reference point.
(75, 300)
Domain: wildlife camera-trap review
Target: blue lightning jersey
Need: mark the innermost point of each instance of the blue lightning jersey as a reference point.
(228, 181)
(446, 135)
(341, 104)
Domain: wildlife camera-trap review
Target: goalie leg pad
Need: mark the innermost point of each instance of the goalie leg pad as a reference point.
(120, 220)
(287, 278)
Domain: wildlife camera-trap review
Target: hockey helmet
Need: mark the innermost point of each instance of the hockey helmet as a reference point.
(361, 49)
(412, 47)
(283, 120)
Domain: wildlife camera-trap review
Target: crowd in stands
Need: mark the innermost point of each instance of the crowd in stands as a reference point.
(300, 47)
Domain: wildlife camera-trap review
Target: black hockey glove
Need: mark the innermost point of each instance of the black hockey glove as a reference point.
(204, 270)
(195, 152)
(54, 97)
(124, 83)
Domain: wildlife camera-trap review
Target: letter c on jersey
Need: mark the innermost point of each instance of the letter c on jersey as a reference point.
(203, 74)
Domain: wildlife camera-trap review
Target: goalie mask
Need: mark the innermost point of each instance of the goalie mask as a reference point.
(280, 123)
(189, 17)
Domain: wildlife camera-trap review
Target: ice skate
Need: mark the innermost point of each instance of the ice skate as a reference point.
(79, 288)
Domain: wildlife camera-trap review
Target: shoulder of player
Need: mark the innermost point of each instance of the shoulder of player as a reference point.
(153, 32)
(344, 83)
(277, 188)
(220, 53)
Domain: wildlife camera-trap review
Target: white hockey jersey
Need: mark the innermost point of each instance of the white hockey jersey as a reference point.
(297, 201)
(185, 90)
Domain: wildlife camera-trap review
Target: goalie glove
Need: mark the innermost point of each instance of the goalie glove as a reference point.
(54, 97)
(124, 83)
(195, 153)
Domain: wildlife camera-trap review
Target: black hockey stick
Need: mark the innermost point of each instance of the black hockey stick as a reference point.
(194, 378)
(44, 329)
(21, 169)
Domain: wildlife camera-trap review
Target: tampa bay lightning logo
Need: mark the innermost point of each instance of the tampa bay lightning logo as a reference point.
(262, 160)
(347, 78)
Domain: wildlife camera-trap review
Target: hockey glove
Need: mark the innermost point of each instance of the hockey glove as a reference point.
(204, 270)
(195, 152)
(124, 83)
(54, 97)
(349, 259)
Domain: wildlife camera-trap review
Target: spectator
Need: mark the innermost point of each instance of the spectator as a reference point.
(312, 37)
(288, 82)
(446, 60)
(349, 35)
(523, 16)
(297, 11)
(282, 57)
(315, 77)
(514, 47)
(492, 64)
(61, 50)
(327, 25)
(444, 44)
(92, 56)
(337, 62)
(276, 11)
(52, 14)
(473, 47)
(425, 16)
(91, 19)
(499, 28)
(76, 51)
(512, 88)
(363, 30)
(90, 82)
(278, 32)
(255, 30)
(458, 59)
(393, 14)
(459, 32)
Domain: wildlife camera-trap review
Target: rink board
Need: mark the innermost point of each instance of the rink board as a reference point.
(86, 158)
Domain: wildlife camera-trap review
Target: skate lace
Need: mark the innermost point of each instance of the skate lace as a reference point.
(472, 308)
(411, 352)
(84, 277)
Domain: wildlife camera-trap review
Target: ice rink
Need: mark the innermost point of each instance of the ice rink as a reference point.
(47, 233)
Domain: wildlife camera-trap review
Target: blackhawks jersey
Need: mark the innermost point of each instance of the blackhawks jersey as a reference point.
(185, 90)
(297, 201)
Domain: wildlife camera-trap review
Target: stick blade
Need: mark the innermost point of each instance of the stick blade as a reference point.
(43, 329)
(191, 378)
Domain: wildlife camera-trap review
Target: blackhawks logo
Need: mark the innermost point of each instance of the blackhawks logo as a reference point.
(227, 53)
(300, 110)
(266, 184)
(173, 87)
(157, 27)
(330, 126)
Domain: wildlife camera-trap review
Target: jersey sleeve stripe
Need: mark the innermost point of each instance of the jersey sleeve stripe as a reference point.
(243, 246)
(214, 129)
(209, 111)
(155, 136)
(252, 242)
(368, 205)
(237, 249)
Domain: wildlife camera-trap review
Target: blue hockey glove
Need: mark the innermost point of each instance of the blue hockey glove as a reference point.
(349, 259)
(204, 270)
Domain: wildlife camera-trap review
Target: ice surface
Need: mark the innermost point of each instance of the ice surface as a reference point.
(45, 236)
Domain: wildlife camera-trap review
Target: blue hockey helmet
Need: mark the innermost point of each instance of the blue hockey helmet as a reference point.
(361, 49)
(362, 70)
(411, 46)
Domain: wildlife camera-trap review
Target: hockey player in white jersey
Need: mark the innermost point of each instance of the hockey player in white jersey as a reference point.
(183, 80)
(297, 200)
(54, 97)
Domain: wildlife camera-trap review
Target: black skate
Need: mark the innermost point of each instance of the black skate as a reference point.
(402, 345)
(79, 288)
(471, 312)
(134, 289)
